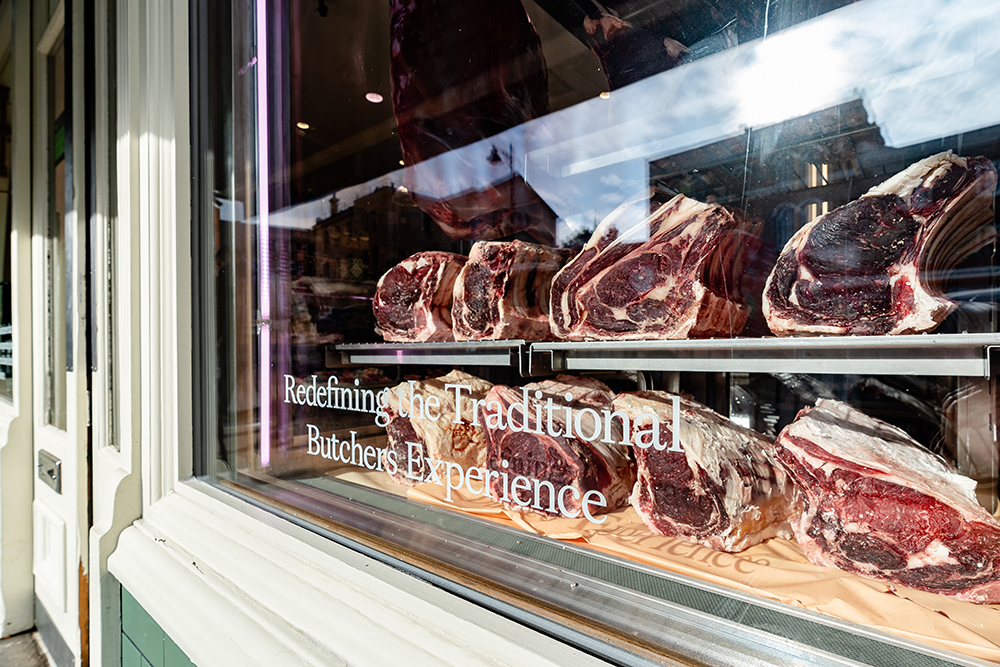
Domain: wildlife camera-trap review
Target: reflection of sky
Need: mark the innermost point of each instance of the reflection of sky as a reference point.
(923, 69)
(300, 216)
(307, 214)
(948, 75)
(347, 196)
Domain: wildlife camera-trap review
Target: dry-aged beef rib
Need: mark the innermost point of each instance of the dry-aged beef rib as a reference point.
(876, 265)
(503, 291)
(673, 274)
(526, 447)
(878, 505)
(440, 438)
(413, 299)
(724, 489)
(628, 54)
(462, 72)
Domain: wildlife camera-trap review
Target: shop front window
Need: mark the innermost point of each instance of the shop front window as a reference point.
(670, 321)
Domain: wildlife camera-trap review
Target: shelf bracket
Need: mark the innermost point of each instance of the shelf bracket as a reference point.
(534, 362)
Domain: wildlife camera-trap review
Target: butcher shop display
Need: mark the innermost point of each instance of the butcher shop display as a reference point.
(413, 299)
(876, 266)
(503, 291)
(460, 76)
(612, 310)
(673, 274)
(439, 430)
(544, 435)
(718, 485)
(877, 504)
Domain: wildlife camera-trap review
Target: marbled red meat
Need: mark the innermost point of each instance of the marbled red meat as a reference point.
(413, 299)
(875, 503)
(503, 291)
(673, 274)
(414, 437)
(463, 72)
(876, 265)
(628, 54)
(524, 447)
(721, 486)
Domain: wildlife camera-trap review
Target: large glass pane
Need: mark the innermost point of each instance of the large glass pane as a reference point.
(55, 245)
(630, 310)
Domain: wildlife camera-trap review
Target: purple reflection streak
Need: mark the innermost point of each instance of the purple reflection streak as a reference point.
(264, 269)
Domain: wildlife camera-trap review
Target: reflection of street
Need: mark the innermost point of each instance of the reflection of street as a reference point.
(337, 252)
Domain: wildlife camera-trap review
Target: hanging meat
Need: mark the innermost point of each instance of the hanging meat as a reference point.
(674, 274)
(413, 299)
(628, 54)
(422, 425)
(877, 265)
(463, 72)
(879, 505)
(544, 436)
(503, 291)
(719, 486)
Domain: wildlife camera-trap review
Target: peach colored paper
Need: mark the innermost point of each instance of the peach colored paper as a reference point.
(369, 478)
(776, 570)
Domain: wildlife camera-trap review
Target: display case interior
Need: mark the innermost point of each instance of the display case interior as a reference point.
(676, 311)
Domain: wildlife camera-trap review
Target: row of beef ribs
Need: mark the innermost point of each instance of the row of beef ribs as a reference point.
(500, 291)
(856, 493)
(871, 267)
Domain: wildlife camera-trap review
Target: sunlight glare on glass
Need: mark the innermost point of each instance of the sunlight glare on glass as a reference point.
(795, 74)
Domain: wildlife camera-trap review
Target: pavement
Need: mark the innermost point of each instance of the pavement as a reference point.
(21, 651)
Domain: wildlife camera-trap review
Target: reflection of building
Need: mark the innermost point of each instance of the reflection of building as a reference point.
(342, 245)
(336, 263)
(363, 241)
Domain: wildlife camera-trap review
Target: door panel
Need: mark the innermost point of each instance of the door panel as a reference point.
(50, 557)
(60, 415)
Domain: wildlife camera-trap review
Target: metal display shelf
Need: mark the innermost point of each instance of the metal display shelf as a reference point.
(966, 355)
(513, 353)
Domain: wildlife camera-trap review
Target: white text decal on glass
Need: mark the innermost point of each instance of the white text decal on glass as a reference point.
(548, 419)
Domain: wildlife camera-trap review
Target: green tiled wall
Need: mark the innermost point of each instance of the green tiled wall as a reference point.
(144, 644)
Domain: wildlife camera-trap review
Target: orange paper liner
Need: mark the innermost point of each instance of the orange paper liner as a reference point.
(775, 570)
(368, 478)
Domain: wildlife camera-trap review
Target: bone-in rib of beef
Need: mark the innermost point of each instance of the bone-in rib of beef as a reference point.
(876, 265)
(724, 489)
(413, 299)
(463, 72)
(673, 274)
(628, 54)
(553, 450)
(878, 505)
(413, 438)
(503, 291)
